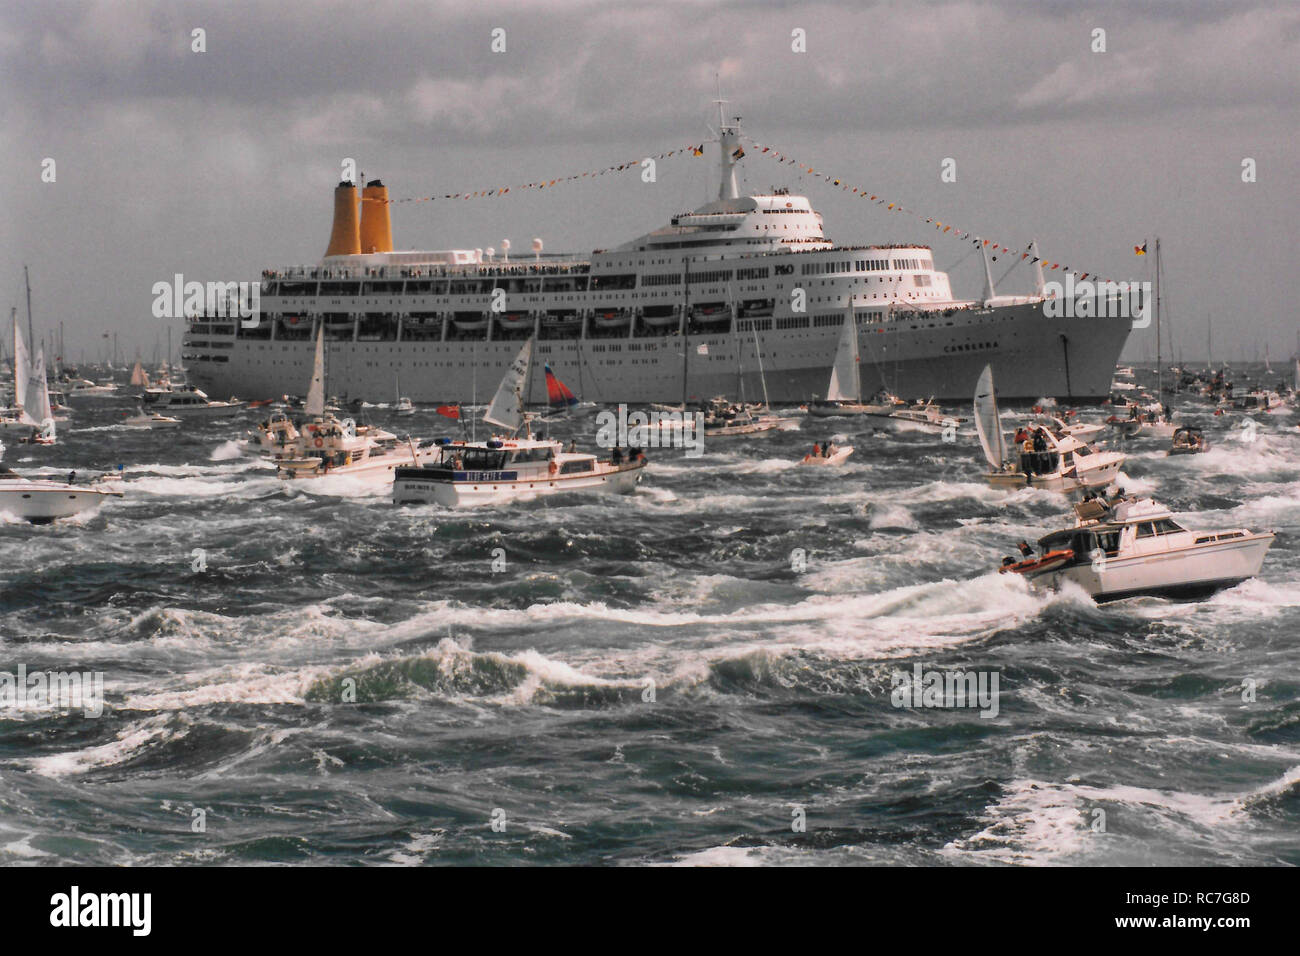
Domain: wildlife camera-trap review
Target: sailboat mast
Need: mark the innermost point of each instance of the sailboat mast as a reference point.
(31, 337)
(1160, 391)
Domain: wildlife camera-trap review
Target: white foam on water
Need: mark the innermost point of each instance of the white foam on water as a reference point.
(127, 743)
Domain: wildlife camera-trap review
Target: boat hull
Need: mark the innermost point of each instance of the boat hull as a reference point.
(1186, 573)
(917, 358)
(412, 488)
(43, 502)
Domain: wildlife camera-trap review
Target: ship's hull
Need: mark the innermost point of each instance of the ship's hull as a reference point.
(927, 356)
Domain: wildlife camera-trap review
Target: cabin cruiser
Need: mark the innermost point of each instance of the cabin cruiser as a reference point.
(503, 469)
(143, 419)
(41, 501)
(1131, 546)
(1258, 400)
(188, 402)
(1053, 461)
(516, 465)
(1144, 421)
(327, 446)
(1188, 441)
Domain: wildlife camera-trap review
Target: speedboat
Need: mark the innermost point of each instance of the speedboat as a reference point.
(41, 501)
(1052, 461)
(1188, 441)
(832, 454)
(404, 407)
(1132, 546)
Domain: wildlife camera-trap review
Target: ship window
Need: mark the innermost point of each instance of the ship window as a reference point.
(1166, 526)
(1146, 530)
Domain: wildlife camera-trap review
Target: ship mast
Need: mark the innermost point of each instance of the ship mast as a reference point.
(728, 144)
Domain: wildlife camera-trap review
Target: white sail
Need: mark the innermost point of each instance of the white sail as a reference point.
(986, 420)
(139, 376)
(845, 385)
(1295, 375)
(316, 391)
(507, 408)
(22, 372)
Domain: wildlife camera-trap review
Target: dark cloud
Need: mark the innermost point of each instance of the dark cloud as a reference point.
(221, 162)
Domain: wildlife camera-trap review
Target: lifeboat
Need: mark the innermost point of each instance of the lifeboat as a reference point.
(612, 318)
(1040, 565)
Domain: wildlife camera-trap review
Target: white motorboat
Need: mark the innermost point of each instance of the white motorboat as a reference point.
(832, 455)
(188, 402)
(1084, 431)
(143, 419)
(1046, 459)
(512, 466)
(1133, 546)
(41, 500)
(923, 416)
(1144, 421)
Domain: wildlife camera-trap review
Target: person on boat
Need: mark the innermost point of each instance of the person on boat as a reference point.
(635, 454)
(1025, 550)
(616, 457)
(72, 477)
(1040, 441)
(1021, 435)
(817, 450)
(573, 446)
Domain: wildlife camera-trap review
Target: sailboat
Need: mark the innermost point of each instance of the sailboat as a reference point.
(20, 421)
(404, 406)
(844, 391)
(325, 446)
(38, 401)
(1052, 460)
(562, 401)
(139, 379)
(513, 464)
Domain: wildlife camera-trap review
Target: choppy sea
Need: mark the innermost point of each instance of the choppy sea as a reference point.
(698, 673)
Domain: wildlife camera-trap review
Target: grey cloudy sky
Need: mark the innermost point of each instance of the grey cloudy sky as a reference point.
(219, 164)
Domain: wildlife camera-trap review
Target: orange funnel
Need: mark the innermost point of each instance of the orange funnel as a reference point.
(345, 238)
(376, 226)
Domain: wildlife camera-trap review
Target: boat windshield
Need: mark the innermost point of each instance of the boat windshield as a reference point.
(473, 459)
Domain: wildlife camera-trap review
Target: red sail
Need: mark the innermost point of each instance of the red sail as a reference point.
(450, 411)
(557, 392)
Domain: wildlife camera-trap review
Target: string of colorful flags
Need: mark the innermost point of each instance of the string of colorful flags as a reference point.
(945, 229)
(771, 152)
(559, 180)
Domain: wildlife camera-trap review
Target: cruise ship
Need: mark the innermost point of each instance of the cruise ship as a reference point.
(744, 296)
